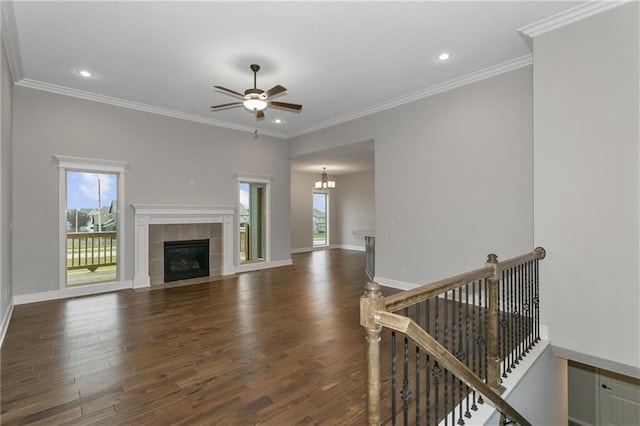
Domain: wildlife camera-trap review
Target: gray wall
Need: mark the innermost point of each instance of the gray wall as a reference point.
(354, 198)
(453, 177)
(586, 106)
(302, 210)
(6, 87)
(165, 154)
(541, 395)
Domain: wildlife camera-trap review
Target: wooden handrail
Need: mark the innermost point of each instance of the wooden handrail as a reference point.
(407, 298)
(538, 253)
(377, 311)
(410, 297)
(447, 360)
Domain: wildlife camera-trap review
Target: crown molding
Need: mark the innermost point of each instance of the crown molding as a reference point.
(10, 40)
(569, 16)
(425, 93)
(61, 90)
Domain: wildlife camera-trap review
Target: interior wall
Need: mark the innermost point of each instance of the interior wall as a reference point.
(302, 210)
(172, 161)
(541, 395)
(6, 94)
(586, 109)
(355, 202)
(453, 177)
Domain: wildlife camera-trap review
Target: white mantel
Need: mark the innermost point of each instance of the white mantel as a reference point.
(161, 214)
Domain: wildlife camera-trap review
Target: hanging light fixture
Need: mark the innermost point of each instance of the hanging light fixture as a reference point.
(324, 182)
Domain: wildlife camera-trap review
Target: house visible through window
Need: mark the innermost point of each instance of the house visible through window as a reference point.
(320, 219)
(91, 227)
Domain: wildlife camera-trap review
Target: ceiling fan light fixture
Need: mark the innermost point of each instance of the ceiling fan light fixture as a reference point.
(254, 104)
(324, 182)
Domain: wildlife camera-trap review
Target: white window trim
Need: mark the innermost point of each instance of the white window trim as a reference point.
(69, 163)
(253, 178)
(327, 222)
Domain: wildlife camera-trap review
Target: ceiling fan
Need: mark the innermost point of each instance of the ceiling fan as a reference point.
(256, 99)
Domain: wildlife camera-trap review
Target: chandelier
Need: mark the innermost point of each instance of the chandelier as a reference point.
(324, 182)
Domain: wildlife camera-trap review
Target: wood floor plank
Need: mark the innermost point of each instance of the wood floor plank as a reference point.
(281, 346)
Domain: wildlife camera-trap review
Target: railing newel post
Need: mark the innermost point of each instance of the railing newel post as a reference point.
(370, 303)
(493, 372)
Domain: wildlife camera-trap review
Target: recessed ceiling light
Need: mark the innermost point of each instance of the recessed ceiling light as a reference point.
(85, 73)
(444, 56)
(278, 121)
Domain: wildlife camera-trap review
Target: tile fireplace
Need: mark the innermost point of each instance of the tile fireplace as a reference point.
(155, 224)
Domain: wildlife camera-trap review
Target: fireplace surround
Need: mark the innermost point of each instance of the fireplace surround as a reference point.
(181, 216)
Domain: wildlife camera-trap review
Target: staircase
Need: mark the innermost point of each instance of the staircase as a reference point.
(438, 352)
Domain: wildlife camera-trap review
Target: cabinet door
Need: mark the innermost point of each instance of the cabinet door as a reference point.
(619, 400)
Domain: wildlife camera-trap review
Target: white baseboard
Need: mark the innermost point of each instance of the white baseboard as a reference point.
(402, 285)
(347, 247)
(579, 422)
(5, 322)
(256, 266)
(67, 293)
(23, 299)
(332, 246)
(301, 250)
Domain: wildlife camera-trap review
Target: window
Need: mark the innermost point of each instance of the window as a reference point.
(320, 219)
(253, 208)
(91, 233)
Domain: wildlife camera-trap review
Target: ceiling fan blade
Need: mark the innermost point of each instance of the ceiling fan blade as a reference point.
(229, 91)
(275, 90)
(232, 104)
(277, 104)
(259, 114)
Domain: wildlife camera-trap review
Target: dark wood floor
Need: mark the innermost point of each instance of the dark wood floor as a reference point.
(280, 347)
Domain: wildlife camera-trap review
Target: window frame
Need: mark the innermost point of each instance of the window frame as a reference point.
(267, 181)
(90, 165)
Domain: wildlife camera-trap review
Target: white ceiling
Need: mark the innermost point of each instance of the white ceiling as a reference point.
(340, 60)
(346, 159)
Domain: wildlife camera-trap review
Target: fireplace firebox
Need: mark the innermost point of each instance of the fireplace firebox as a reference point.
(186, 259)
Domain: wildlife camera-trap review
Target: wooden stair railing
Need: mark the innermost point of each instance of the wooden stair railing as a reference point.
(515, 281)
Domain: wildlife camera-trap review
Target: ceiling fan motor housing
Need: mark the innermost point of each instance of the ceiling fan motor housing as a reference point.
(254, 93)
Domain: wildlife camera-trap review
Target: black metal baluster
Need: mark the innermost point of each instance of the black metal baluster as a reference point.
(516, 314)
(436, 367)
(503, 325)
(467, 414)
(532, 340)
(526, 312)
(536, 300)
(405, 393)
(473, 337)
(460, 355)
(427, 366)
(417, 394)
(446, 372)
(511, 322)
(521, 319)
(393, 378)
(529, 307)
